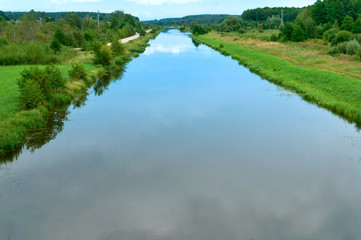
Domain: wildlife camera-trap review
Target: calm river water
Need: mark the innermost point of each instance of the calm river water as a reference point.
(188, 145)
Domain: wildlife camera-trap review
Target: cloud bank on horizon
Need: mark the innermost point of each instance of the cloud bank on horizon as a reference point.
(162, 2)
(150, 9)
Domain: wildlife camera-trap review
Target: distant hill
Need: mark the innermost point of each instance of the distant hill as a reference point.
(261, 14)
(199, 19)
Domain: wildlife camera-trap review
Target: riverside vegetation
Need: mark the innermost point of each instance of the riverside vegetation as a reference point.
(334, 91)
(317, 53)
(29, 92)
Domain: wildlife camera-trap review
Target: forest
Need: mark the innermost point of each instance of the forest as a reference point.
(190, 20)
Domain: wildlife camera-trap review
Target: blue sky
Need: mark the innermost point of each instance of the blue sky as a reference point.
(149, 9)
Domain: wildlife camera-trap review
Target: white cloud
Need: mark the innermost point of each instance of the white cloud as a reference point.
(160, 48)
(161, 2)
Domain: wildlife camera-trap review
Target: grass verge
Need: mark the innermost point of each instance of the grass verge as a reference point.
(338, 93)
(15, 123)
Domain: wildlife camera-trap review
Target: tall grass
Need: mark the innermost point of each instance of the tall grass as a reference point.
(333, 91)
(32, 53)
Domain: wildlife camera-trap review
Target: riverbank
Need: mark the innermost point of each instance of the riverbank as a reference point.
(15, 123)
(336, 92)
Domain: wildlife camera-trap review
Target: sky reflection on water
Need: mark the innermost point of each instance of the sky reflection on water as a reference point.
(188, 146)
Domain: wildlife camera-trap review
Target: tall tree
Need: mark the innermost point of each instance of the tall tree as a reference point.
(319, 13)
(335, 10)
(357, 26)
(347, 23)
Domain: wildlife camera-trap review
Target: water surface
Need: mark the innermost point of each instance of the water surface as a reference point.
(188, 145)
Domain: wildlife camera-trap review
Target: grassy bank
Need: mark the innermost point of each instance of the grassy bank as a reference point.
(339, 93)
(15, 123)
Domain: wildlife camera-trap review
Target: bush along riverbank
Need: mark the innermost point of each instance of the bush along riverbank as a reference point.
(335, 92)
(46, 88)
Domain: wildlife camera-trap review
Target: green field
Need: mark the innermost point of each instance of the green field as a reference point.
(9, 94)
(16, 122)
(338, 93)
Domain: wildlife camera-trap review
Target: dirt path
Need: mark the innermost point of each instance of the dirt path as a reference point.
(128, 39)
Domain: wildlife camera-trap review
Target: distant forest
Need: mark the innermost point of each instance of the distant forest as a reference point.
(52, 16)
(188, 20)
(261, 14)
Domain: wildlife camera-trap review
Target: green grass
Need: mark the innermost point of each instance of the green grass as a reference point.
(254, 34)
(15, 123)
(9, 94)
(333, 91)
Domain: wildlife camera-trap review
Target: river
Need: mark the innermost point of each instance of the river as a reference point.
(188, 145)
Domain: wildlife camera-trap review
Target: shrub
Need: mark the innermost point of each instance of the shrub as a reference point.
(241, 30)
(78, 72)
(47, 80)
(357, 37)
(117, 47)
(352, 47)
(329, 35)
(342, 36)
(55, 45)
(31, 95)
(103, 55)
(274, 38)
(37, 75)
(55, 77)
(326, 37)
(339, 48)
(142, 32)
(358, 54)
(198, 30)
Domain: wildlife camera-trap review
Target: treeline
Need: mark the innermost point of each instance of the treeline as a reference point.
(32, 40)
(262, 14)
(52, 16)
(190, 20)
(337, 22)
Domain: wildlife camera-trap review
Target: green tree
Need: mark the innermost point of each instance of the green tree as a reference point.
(347, 23)
(60, 36)
(31, 95)
(54, 76)
(287, 31)
(335, 10)
(298, 34)
(55, 45)
(336, 25)
(310, 27)
(73, 20)
(198, 30)
(78, 72)
(117, 47)
(342, 36)
(357, 26)
(319, 13)
(103, 55)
